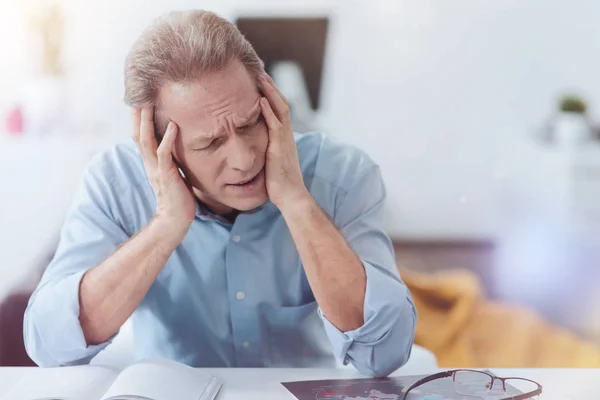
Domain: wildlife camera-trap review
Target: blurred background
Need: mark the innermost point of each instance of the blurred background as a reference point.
(484, 117)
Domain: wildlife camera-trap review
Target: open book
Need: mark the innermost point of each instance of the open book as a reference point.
(152, 379)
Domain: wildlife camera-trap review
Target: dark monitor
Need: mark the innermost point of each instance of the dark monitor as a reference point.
(301, 40)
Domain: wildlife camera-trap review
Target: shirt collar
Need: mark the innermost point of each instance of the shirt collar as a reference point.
(205, 214)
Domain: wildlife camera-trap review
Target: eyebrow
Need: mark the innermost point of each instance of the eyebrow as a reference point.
(205, 139)
(251, 119)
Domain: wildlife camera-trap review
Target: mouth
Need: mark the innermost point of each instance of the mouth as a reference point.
(248, 181)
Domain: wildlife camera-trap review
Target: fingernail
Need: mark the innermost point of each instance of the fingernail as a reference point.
(170, 126)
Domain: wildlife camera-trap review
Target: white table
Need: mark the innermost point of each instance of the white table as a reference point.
(264, 383)
(251, 384)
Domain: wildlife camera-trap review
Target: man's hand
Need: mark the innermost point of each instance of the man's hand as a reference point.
(335, 274)
(175, 203)
(282, 171)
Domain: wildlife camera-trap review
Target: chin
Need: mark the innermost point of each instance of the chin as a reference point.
(249, 196)
(249, 203)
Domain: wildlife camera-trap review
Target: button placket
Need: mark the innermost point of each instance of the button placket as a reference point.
(246, 332)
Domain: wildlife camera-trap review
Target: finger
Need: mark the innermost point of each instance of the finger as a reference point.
(276, 99)
(272, 83)
(165, 150)
(135, 131)
(273, 122)
(147, 139)
(267, 81)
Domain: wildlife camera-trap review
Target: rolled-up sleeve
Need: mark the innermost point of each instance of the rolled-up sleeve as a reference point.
(384, 342)
(91, 232)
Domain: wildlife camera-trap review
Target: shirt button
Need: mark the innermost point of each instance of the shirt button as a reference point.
(236, 238)
(240, 295)
(246, 344)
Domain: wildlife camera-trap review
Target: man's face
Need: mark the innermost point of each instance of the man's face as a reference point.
(222, 139)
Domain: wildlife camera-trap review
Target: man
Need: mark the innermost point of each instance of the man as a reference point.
(228, 240)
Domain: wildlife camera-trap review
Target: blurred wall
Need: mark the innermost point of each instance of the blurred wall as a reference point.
(429, 88)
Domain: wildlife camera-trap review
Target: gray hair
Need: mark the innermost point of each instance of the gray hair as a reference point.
(179, 47)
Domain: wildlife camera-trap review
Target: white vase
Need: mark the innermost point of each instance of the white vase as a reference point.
(571, 129)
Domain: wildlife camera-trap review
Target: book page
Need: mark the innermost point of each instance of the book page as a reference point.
(84, 382)
(158, 379)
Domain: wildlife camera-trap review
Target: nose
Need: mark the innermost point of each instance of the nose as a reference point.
(241, 155)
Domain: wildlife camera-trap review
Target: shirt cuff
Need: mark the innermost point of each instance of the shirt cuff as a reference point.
(55, 335)
(386, 298)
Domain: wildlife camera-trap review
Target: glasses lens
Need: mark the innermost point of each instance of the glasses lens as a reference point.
(472, 383)
(519, 386)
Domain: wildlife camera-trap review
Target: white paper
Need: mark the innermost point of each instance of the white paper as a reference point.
(159, 380)
(87, 382)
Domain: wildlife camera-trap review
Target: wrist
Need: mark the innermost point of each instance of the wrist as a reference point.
(296, 204)
(169, 230)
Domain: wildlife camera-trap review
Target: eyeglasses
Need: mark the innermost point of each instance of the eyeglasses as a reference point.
(483, 385)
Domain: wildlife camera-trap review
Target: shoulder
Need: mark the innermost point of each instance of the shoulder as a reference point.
(120, 166)
(115, 182)
(329, 160)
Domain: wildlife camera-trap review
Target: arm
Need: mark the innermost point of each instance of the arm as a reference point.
(367, 310)
(110, 292)
(335, 274)
(84, 297)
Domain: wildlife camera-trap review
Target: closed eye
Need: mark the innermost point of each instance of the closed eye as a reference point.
(213, 143)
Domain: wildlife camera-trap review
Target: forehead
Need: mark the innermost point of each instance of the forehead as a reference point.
(200, 106)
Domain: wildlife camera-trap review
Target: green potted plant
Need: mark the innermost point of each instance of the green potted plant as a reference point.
(573, 104)
(571, 124)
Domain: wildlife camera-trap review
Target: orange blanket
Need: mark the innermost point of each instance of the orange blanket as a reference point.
(464, 329)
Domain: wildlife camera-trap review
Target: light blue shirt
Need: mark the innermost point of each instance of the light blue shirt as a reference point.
(230, 295)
